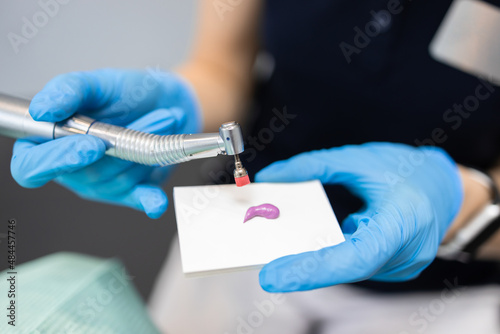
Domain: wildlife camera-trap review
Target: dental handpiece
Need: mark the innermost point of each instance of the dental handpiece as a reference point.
(126, 144)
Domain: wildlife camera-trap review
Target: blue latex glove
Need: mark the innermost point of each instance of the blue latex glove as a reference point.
(151, 101)
(411, 196)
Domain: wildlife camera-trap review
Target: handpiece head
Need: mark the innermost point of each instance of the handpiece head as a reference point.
(232, 137)
(230, 133)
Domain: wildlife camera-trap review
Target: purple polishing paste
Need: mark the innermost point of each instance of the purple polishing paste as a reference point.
(268, 211)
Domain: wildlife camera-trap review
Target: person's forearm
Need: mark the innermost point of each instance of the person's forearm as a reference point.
(222, 94)
(476, 197)
(220, 66)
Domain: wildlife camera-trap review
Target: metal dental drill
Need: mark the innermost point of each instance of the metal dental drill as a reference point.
(140, 147)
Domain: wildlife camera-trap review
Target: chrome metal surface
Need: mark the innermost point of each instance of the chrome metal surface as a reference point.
(77, 124)
(16, 122)
(123, 143)
(239, 170)
(230, 133)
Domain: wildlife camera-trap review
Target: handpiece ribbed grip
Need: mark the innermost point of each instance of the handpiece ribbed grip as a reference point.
(149, 149)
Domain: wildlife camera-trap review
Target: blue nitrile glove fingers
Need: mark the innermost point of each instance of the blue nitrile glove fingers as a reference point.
(121, 97)
(115, 181)
(33, 164)
(74, 92)
(411, 196)
(115, 96)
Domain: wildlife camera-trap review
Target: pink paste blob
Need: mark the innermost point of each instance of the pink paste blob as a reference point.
(268, 211)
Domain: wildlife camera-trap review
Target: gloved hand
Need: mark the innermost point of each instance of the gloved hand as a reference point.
(151, 101)
(411, 196)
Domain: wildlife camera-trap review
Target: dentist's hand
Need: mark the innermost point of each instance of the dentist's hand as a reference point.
(151, 101)
(411, 194)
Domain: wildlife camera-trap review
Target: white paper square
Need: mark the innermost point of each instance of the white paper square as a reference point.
(213, 237)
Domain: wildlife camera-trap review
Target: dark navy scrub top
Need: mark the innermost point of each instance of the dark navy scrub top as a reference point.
(389, 89)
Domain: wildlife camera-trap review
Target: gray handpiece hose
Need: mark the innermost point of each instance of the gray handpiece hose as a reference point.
(126, 144)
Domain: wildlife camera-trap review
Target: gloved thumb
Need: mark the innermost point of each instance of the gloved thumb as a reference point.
(33, 164)
(302, 167)
(356, 259)
(342, 165)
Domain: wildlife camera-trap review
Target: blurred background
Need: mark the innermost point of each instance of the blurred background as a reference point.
(86, 35)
